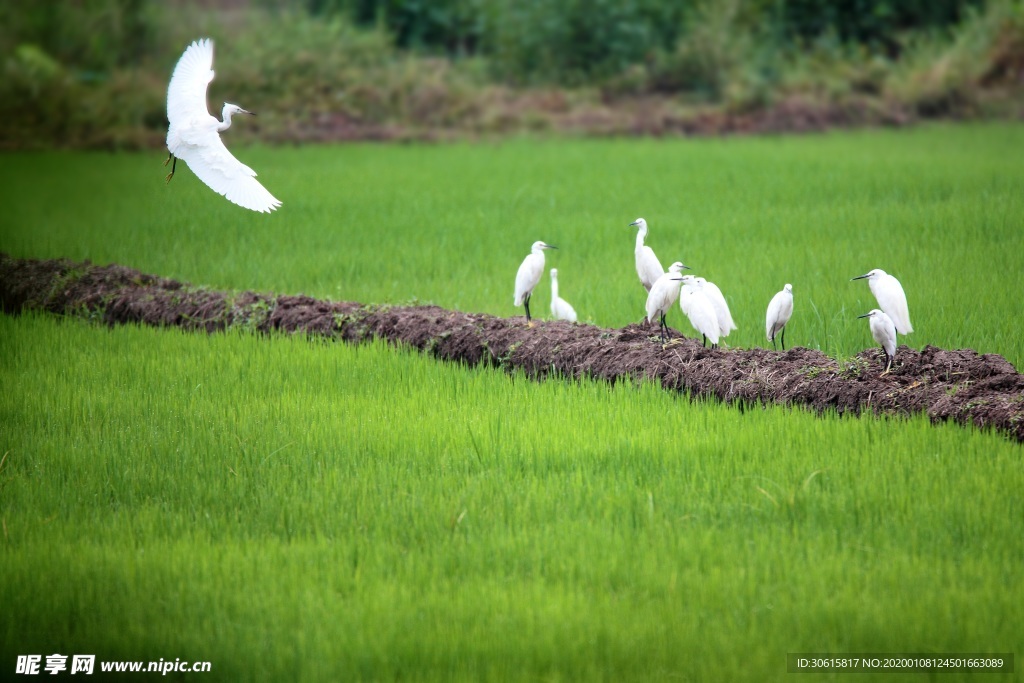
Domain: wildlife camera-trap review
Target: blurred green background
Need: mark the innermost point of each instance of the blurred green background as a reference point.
(94, 74)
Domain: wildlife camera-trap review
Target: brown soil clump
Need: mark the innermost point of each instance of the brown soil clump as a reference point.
(962, 385)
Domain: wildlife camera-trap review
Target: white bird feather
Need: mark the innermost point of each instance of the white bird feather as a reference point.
(780, 309)
(529, 274)
(883, 331)
(890, 297)
(717, 299)
(648, 267)
(664, 293)
(699, 309)
(560, 308)
(194, 135)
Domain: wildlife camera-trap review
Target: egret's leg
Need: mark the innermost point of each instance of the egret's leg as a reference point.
(774, 348)
(887, 361)
(526, 303)
(888, 365)
(666, 331)
(705, 340)
(783, 338)
(173, 166)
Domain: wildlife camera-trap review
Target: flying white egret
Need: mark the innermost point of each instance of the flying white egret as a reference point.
(889, 293)
(529, 274)
(194, 135)
(883, 329)
(560, 308)
(648, 267)
(662, 295)
(717, 299)
(780, 308)
(699, 309)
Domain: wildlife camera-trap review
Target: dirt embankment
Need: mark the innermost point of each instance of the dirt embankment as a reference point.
(958, 385)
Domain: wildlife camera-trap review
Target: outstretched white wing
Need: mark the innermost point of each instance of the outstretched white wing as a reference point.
(193, 136)
(211, 161)
(186, 93)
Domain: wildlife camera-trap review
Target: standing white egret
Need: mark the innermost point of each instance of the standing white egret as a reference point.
(648, 267)
(529, 274)
(780, 308)
(560, 308)
(194, 135)
(717, 299)
(689, 285)
(662, 295)
(883, 329)
(699, 309)
(889, 293)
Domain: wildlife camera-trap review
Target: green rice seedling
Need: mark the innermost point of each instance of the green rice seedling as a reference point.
(288, 509)
(937, 206)
(283, 509)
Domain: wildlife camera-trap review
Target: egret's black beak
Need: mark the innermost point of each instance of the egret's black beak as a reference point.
(688, 267)
(866, 315)
(859, 277)
(633, 224)
(550, 246)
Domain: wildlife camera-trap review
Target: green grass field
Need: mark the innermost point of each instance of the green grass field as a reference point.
(288, 509)
(940, 207)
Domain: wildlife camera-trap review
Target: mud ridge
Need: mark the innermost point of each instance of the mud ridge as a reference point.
(960, 385)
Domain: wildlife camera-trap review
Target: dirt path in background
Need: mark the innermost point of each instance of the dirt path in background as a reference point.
(956, 385)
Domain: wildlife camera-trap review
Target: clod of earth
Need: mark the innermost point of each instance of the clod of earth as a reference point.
(961, 385)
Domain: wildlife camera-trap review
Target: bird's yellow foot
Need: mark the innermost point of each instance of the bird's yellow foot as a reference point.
(167, 161)
(169, 176)
(530, 323)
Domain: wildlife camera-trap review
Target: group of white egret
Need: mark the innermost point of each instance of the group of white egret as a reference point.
(892, 316)
(704, 305)
(194, 137)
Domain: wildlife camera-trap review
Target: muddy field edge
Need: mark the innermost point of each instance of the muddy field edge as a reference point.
(959, 385)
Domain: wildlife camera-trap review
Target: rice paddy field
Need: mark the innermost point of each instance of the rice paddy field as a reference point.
(289, 509)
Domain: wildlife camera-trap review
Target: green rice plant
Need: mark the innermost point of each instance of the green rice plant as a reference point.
(939, 207)
(288, 509)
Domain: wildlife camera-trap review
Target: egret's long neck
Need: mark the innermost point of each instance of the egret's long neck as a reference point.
(226, 115)
(640, 235)
(554, 288)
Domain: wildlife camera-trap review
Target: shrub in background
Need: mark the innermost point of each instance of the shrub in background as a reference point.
(94, 74)
(942, 73)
